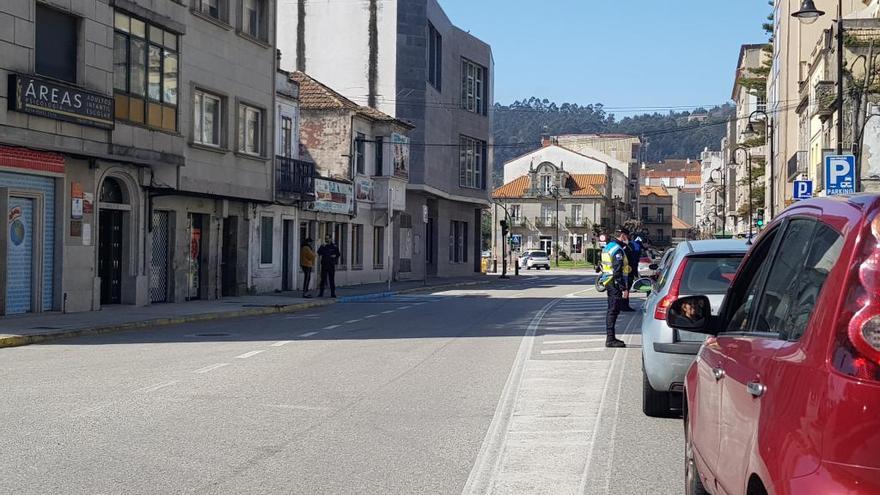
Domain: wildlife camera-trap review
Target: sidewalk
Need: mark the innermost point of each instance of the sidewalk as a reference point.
(32, 328)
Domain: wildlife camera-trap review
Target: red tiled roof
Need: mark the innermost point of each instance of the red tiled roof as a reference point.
(586, 184)
(514, 189)
(314, 95)
(656, 190)
(679, 224)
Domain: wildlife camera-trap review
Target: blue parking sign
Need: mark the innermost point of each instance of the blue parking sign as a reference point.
(840, 174)
(803, 189)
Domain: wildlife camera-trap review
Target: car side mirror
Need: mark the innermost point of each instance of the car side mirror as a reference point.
(653, 266)
(691, 314)
(643, 285)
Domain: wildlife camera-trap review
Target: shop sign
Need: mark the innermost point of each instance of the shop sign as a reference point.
(333, 197)
(400, 155)
(38, 96)
(364, 189)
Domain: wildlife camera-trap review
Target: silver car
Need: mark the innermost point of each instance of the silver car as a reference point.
(534, 259)
(695, 267)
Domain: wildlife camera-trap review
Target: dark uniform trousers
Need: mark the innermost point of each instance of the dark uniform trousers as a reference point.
(328, 275)
(615, 300)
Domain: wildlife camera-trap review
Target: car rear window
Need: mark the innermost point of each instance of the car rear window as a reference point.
(539, 254)
(709, 274)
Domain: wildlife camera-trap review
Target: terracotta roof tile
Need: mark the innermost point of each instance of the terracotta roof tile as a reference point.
(514, 189)
(657, 190)
(314, 95)
(679, 224)
(586, 184)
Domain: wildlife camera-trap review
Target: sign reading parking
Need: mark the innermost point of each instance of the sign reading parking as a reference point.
(840, 174)
(803, 189)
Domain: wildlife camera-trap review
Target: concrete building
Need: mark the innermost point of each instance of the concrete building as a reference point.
(712, 167)
(128, 166)
(406, 59)
(793, 43)
(360, 155)
(655, 216)
(531, 201)
(681, 178)
(622, 147)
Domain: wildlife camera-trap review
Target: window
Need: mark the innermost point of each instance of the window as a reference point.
(458, 241)
(472, 163)
(357, 246)
(55, 40)
(644, 213)
(145, 73)
(473, 87)
(546, 184)
(250, 133)
(380, 156)
(660, 214)
(211, 8)
(207, 118)
(359, 153)
(435, 57)
(548, 214)
(340, 233)
(577, 244)
(287, 137)
(253, 18)
(378, 247)
(795, 279)
(577, 215)
(516, 212)
(743, 294)
(266, 239)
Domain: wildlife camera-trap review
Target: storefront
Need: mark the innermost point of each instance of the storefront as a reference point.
(28, 183)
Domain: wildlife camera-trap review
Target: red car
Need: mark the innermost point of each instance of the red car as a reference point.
(784, 396)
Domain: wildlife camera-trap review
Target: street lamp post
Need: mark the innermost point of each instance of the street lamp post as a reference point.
(554, 192)
(749, 166)
(750, 132)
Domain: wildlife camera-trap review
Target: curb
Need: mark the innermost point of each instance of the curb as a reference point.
(23, 340)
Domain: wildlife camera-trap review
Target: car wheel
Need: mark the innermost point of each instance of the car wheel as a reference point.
(654, 403)
(693, 482)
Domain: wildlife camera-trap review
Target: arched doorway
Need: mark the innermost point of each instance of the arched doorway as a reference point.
(114, 205)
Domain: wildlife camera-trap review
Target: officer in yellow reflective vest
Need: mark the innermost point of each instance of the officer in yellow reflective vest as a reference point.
(616, 269)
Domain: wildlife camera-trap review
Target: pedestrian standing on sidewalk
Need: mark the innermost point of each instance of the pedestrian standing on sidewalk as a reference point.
(616, 265)
(329, 254)
(307, 263)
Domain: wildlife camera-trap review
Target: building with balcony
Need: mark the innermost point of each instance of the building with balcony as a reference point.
(406, 59)
(682, 180)
(655, 215)
(127, 166)
(549, 208)
(361, 160)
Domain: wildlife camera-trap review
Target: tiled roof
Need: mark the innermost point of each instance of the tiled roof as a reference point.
(694, 179)
(514, 189)
(679, 224)
(668, 166)
(586, 184)
(314, 95)
(657, 190)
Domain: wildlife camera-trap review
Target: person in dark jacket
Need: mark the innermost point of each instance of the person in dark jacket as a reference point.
(329, 254)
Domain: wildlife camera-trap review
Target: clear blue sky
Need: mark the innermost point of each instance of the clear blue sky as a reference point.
(622, 53)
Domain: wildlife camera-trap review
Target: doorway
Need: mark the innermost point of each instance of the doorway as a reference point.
(287, 256)
(229, 257)
(196, 240)
(110, 256)
(20, 256)
(546, 244)
(160, 244)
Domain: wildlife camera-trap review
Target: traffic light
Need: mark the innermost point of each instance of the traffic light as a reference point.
(505, 229)
(759, 217)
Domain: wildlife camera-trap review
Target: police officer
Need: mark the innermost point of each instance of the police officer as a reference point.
(616, 265)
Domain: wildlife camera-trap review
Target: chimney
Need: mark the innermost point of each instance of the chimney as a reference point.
(545, 140)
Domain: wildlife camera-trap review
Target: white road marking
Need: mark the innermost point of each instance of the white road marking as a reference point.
(154, 388)
(387, 312)
(210, 368)
(572, 351)
(404, 307)
(331, 327)
(353, 321)
(308, 334)
(249, 354)
(281, 343)
(370, 316)
(574, 341)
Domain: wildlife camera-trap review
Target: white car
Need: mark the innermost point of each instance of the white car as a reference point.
(534, 259)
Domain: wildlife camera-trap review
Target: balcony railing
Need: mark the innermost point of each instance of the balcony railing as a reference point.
(294, 178)
(824, 96)
(656, 219)
(518, 222)
(545, 222)
(578, 223)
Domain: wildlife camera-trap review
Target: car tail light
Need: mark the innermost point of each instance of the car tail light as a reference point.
(663, 304)
(858, 343)
(645, 260)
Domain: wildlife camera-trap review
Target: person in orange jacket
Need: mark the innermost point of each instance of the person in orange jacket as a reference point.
(307, 263)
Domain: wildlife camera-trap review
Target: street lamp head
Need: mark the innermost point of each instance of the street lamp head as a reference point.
(808, 13)
(749, 132)
(710, 182)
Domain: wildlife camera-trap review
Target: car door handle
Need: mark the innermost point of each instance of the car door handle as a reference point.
(756, 388)
(719, 373)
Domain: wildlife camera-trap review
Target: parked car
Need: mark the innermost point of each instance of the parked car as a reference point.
(784, 395)
(534, 259)
(694, 267)
(487, 254)
(645, 270)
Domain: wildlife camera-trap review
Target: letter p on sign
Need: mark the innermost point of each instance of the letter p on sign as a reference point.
(840, 168)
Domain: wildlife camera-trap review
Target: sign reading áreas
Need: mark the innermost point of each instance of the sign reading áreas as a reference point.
(38, 96)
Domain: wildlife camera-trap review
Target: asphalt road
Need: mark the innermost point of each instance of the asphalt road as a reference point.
(502, 388)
